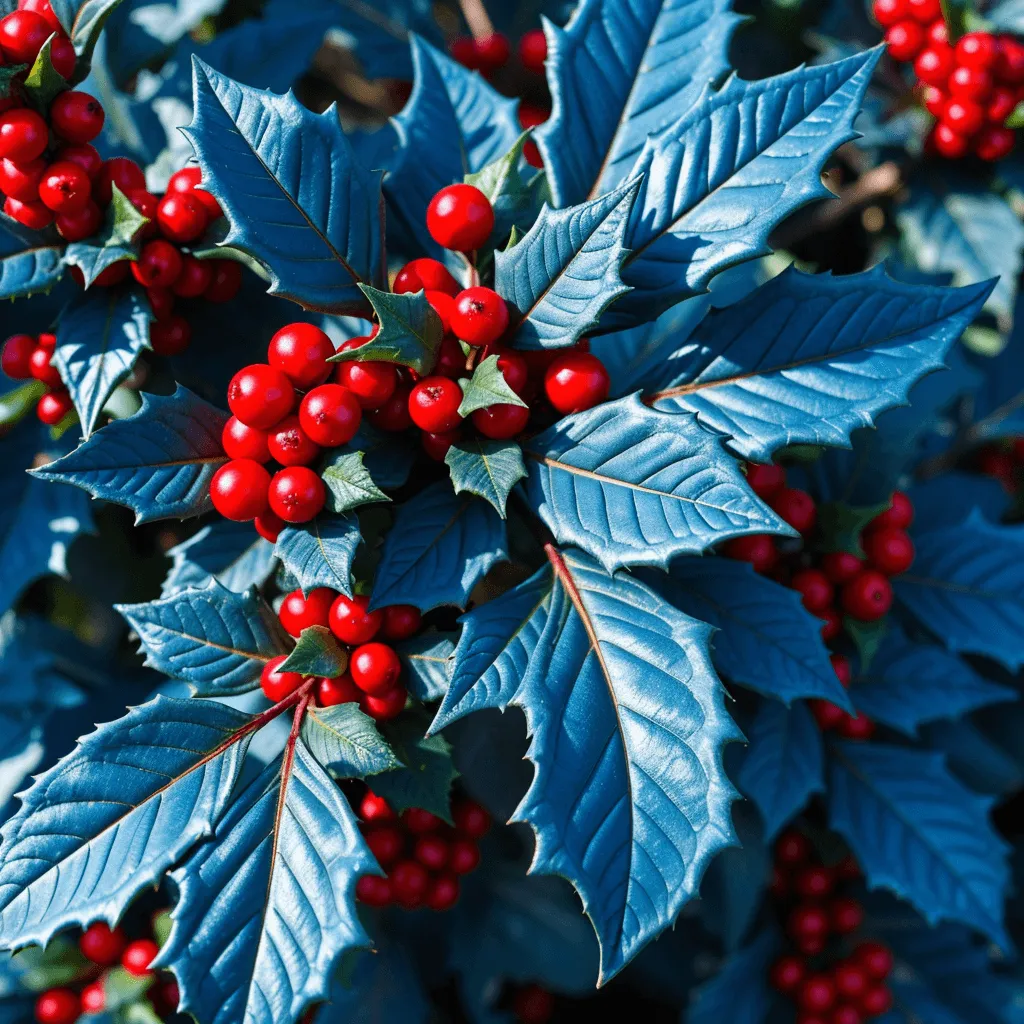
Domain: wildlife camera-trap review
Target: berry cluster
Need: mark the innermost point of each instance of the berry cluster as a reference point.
(971, 88)
(24, 356)
(831, 979)
(490, 53)
(263, 397)
(373, 677)
(105, 949)
(423, 857)
(832, 584)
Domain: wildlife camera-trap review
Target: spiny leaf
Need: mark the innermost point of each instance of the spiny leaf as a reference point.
(316, 653)
(291, 189)
(9, 73)
(842, 525)
(632, 486)
(116, 242)
(27, 266)
(918, 831)
(319, 553)
(427, 773)
(99, 339)
(486, 468)
(410, 332)
(158, 462)
(215, 639)
(485, 388)
(601, 665)
(347, 742)
(349, 483)
(807, 358)
(111, 817)
(438, 549)
(83, 20)
(565, 272)
(226, 551)
(43, 84)
(648, 61)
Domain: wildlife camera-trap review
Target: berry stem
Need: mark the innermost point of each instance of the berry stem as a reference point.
(477, 18)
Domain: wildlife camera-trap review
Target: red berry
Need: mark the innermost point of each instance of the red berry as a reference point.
(227, 279)
(846, 915)
(842, 669)
(373, 383)
(269, 526)
(187, 180)
(937, 32)
(86, 156)
(290, 445)
(814, 882)
(851, 980)
(951, 144)
(393, 415)
(261, 396)
(765, 480)
(57, 1006)
(493, 51)
(827, 715)
(22, 34)
(16, 359)
(300, 351)
(277, 685)
(182, 217)
(576, 381)
(20, 179)
(840, 566)
(138, 956)
(808, 920)
(45, 10)
(63, 57)
(480, 316)
(463, 856)
(888, 549)
(792, 849)
(296, 494)
(787, 973)
(795, 507)
(1001, 104)
(23, 135)
(339, 690)
(31, 215)
(876, 1001)
(868, 596)
(170, 336)
(832, 624)
(126, 174)
(471, 820)
(817, 993)
(443, 893)
(845, 1013)
(1010, 66)
(239, 490)
(533, 1005)
(398, 622)
(114, 274)
(533, 49)
(970, 84)
(443, 305)
(330, 415)
(434, 404)
(420, 821)
(194, 279)
(993, 143)
(501, 421)
(102, 944)
(463, 49)
(409, 882)
(756, 548)
(935, 64)
(159, 264)
(425, 274)
(977, 50)
(53, 407)
(243, 442)
(875, 958)
(432, 852)
(858, 727)
(375, 808)
(460, 217)
(934, 100)
(815, 589)
(76, 116)
(43, 369)
(963, 116)
(373, 890)
(81, 224)
(93, 997)
(351, 622)
(298, 613)
(515, 371)
(375, 668)
(925, 11)
(386, 843)
(904, 40)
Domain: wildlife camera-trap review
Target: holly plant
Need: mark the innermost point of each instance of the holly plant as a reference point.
(575, 454)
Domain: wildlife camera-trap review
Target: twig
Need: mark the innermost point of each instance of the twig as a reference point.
(479, 22)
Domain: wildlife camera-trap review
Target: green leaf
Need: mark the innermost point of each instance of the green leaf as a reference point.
(485, 388)
(20, 400)
(116, 242)
(122, 988)
(316, 653)
(84, 21)
(346, 742)
(867, 637)
(487, 468)
(842, 525)
(349, 483)
(428, 773)
(52, 966)
(8, 73)
(410, 332)
(162, 927)
(1016, 119)
(43, 83)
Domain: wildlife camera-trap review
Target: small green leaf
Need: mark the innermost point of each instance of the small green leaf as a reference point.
(347, 743)
(487, 468)
(410, 332)
(118, 240)
(139, 1013)
(426, 780)
(20, 400)
(162, 924)
(43, 84)
(1016, 119)
(8, 74)
(58, 964)
(867, 637)
(316, 653)
(349, 483)
(841, 525)
(121, 988)
(485, 388)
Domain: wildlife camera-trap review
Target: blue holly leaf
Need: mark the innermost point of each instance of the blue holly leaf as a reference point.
(232, 553)
(967, 587)
(766, 640)
(27, 266)
(917, 831)
(454, 124)
(439, 548)
(717, 182)
(290, 841)
(807, 358)
(738, 993)
(908, 683)
(388, 457)
(215, 639)
(951, 224)
(650, 60)
(975, 757)
(319, 553)
(111, 817)
(486, 468)
(950, 498)
(564, 273)
(784, 763)
(632, 486)
(997, 405)
(604, 667)
(83, 21)
(289, 184)
(427, 659)
(346, 742)
(158, 462)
